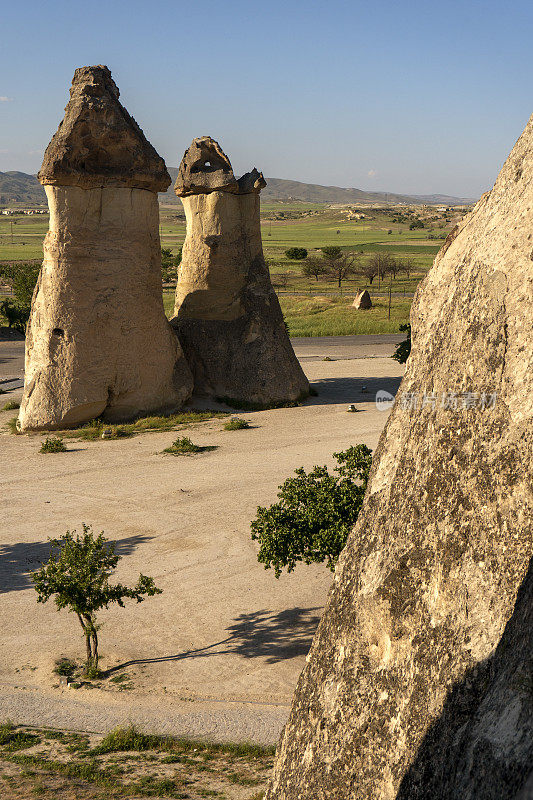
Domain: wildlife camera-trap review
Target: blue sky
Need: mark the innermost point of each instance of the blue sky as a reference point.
(415, 97)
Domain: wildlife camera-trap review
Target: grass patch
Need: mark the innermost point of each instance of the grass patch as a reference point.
(128, 763)
(236, 424)
(183, 446)
(98, 429)
(121, 740)
(11, 425)
(53, 444)
(12, 739)
(94, 429)
(11, 406)
(334, 316)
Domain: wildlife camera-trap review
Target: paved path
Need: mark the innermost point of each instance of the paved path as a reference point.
(308, 349)
(215, 721)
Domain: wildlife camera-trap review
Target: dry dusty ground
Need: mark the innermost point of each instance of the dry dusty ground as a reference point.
(219, 652)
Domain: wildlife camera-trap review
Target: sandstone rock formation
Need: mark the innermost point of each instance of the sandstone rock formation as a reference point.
(418, 684)
(362, 300)
(98, 341)
(227, 314)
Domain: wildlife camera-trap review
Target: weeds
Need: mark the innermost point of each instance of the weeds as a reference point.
(98, 429)
(11, 425)
(12, 405)
(65, 667)
(53, 444)
(12, 739)
(183, 446)
(236, 424)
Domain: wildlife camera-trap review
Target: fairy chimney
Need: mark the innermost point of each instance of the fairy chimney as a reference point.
(418, 682)
(227, 314)
(98, 342)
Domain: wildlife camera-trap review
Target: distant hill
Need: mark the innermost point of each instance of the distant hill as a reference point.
(280, 189)
(18, 187)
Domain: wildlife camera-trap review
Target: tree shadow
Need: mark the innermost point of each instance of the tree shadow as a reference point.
(351, 390)
(481, 745)
(18, 561)
(275, 636)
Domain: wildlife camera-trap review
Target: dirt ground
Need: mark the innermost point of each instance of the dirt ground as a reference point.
(218, 653)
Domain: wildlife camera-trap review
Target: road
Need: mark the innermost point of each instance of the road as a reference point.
(308, 349)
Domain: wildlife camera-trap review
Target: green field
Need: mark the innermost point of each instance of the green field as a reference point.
(312, 226)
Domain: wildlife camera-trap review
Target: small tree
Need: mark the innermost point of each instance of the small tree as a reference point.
(77, 573)
(314, 267)
(368, 269)
(339, 264)
(407, 265)
(331, 252)
(315, 513)
(296, 253)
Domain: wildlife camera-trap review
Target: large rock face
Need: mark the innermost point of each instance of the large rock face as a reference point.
(404, 695)
(227, 314)
(98, 341)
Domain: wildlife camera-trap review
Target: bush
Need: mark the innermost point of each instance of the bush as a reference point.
(315, 513)
(183, 446)
(12, 405)
(53, 444)
(417, 223)
(22, 278)
(15, 314)
(403, 350)
(296, 253)
(65, 667)
(236, 424)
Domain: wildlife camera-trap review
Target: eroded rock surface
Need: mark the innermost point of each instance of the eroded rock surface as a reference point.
(227, 314)
(98, 341)
(404, 695)
(98, 143)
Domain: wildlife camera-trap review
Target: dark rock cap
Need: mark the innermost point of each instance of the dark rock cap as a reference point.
(98, 143)
(206, 168)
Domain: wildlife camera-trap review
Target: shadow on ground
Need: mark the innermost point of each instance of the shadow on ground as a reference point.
(18, 561)
(351, 390)
(273, 635)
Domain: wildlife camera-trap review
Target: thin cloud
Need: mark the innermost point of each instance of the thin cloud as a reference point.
(4, 99)
(372, 173)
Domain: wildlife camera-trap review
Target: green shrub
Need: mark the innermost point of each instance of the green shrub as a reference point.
(12, 405)
(315, 513)
(65, 667)
(183, 446)
(296, 253)
(53, 444)
(403, 350)
(236, 424)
